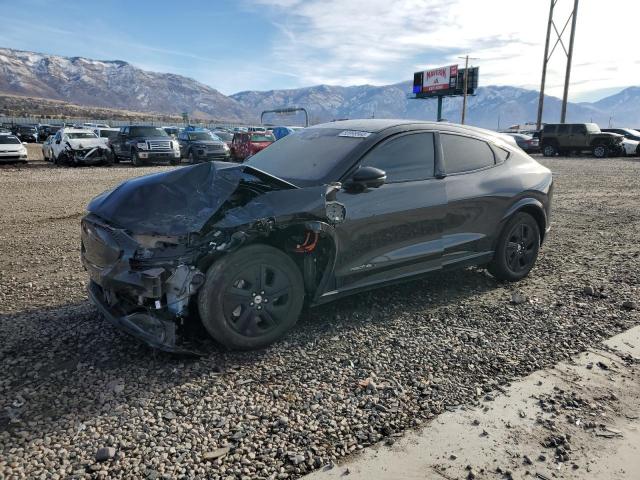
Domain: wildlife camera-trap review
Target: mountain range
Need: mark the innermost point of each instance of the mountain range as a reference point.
(118, 84)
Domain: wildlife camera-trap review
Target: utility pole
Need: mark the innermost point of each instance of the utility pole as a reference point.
(465, 86)
(547, 56)
(567, 75)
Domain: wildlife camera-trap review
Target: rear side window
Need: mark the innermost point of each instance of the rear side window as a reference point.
(563, 128)
(405, 158)
(464, 154)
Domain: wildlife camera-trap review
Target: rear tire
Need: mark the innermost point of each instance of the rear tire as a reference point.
(251, 297)
(517, 248)
(549, 150)
(600, 151)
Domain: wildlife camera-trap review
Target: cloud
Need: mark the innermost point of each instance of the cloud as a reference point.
(381, 41)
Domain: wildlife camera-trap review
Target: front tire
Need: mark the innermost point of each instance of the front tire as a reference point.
(135, 159)
(517, 248)
(251, 297)
(191, 158)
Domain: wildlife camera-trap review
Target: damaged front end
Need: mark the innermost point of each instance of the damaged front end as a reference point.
(95, 155)
(147, 245)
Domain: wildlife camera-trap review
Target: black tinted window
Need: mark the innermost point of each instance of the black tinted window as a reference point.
(563, 128)
(463, 154)
(409, 157)
(578, 129)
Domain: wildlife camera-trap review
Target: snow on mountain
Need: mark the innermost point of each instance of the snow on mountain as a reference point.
(118, 84)
(113, 84)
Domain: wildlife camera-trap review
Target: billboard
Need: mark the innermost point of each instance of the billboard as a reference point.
(444, 81)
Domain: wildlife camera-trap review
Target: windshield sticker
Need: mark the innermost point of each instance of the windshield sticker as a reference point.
(354, 134)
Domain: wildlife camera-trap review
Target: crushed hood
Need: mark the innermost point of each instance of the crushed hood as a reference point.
(84, 143)
(175, 202)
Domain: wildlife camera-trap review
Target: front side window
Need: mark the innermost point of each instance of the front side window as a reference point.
(405, 158)
(563, 128)
(578, 129)
(464, 154)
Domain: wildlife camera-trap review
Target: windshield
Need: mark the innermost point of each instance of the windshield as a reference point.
(108, 133)
(148, 132)
(224, 136)
(262, 137)
(81, 135)
(201, 136)
(308, 156)
(4, 139)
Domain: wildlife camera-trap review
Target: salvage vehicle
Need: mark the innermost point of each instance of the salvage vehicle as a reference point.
(631, 137)
(200, 145)
(335, 209)
(565, 138)
(246, 144)
(145, 143)
(79, 146)
(12, 149)
(47, 148)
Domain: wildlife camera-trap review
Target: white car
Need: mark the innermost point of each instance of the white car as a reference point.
(630, 147)
(12, 149)
(76, 146)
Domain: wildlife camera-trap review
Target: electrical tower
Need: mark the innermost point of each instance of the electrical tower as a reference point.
(547, 56)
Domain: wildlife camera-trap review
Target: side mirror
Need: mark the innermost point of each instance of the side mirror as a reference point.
(368, 177)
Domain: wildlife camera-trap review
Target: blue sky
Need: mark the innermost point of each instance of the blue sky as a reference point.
(273, 44)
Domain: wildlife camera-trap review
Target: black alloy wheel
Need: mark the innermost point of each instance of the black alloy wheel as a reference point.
(251, 297)
(517, 248)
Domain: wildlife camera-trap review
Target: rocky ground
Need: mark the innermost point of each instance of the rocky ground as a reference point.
(79, 399)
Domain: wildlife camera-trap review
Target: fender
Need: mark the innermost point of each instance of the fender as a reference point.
(533, 205)
(328, 275)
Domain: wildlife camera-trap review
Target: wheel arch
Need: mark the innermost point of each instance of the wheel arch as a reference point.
(533, 207)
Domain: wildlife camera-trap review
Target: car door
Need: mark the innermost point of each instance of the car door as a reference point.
(182, 144)
(392, 231)
(121, 145)
(563, 136)
(474, 211)
(56, 146)
(578, 136)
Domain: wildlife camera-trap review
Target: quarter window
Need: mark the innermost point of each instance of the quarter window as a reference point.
(463, 154)
(563, 128)
(405, 158)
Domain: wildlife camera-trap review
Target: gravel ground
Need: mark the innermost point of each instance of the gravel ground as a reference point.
(351, 373)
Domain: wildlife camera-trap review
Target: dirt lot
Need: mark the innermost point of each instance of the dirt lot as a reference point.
(352, 373)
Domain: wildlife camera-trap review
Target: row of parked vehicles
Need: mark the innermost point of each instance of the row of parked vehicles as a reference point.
(142, 144)
(567, 138)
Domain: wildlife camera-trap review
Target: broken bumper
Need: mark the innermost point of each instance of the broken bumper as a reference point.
(154, 331)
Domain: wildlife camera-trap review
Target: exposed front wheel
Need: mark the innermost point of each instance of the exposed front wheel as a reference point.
(135, 159)
(517, 248)
(549, 150)
(251, 297)
(600, 151)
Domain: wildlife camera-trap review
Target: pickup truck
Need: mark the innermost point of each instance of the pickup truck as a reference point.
(145, 144)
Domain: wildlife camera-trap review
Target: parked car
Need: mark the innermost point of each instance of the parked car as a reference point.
(629, 133)
(91, 126)
(12, 149)
(26, 133)
(526, 142)
(79, 146)
(630, 147)
(330, 211)
(172, 131)
(145, 143)
(224, 135)
(256, 129)
(281, 132)
(564, 138)
(245, 144)
(108, 134)
(198, 145)
(47, 148)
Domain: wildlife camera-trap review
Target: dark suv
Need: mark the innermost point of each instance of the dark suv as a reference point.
(564, 138)
(145, 144)
(199, 145)
(26, 133)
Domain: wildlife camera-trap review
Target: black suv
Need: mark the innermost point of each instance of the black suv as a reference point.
(201, 145)
(564, 138)
(145, 143)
